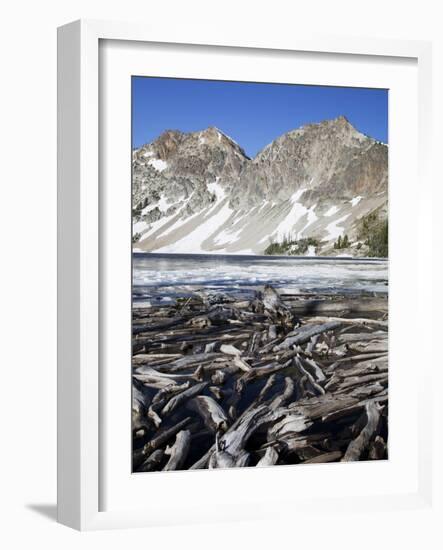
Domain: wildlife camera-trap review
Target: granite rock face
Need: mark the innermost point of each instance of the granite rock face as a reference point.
(199, 192)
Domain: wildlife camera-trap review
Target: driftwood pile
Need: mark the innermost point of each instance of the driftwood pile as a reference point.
(277, 379)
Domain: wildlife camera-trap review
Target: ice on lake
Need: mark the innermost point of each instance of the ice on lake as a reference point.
(163, 275)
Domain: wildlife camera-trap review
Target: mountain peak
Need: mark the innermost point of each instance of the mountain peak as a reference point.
(342, 123)
(341, 119)
(214, 136)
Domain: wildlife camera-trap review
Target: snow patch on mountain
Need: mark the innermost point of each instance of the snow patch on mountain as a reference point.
(286, 226)
(333, 210)
(355, 200)
(216, 189)
(158, 164)
(333, 229)
(193, 241)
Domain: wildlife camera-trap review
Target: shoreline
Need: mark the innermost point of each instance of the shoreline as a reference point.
(233, 256)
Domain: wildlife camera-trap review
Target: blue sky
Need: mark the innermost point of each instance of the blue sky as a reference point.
(252, 114)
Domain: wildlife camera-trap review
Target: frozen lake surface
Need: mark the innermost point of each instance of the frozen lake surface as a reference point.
(162, 276)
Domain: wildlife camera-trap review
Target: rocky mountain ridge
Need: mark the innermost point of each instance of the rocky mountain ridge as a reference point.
(199, 192)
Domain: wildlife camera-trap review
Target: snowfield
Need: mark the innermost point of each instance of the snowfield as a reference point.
(333, 229)
(221, 229)
(158, 164)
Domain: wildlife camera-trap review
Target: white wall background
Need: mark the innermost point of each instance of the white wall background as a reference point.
(28, 269)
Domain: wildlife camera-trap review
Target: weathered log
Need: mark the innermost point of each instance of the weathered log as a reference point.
(213, 415)
(312, 343)
(344, 321)
(367, 366)
(266, 370)
(164, 436)
(305, 333)
(179, 451)
(140, 399)
(143, 358)
(231, 446)
(316, 387)
(192, 361)
(377, 449)
(203, 462)
(361, 357)
(137, 329)
(362, 336)
(269, 459)
(352, 381)
(333, 456)
(312, 367)
(241, 364)
(146, 374)
(235, 397)
(284, 397)
(360, 443)
(272, 332)
(274, 305)
(297, 443)
(216, 392)
(182, 397)
(153, 461)
(360, 305)
(290, 424)
(161, 398)
(228, 349)
(218, 377)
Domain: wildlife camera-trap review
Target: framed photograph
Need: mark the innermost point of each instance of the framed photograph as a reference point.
(239, 236)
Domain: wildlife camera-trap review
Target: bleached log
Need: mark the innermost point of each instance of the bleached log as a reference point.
(290, 424)
(213, 415)
(269, 459)
(145, 373)
(241, 364)
(164, 436)
(161, 398)
(143, 358)
(361, 357)
(362, 336)
(266, 370)
(305, 333)
(182, 397)
(179, 451)
(254, 342)
(312, 381)
(192, 361)
(311, 366)
(361, 442)
(345, 321)
(284, 397)
(274, 305)
(229, 349)
(216, 392)
(232, 444)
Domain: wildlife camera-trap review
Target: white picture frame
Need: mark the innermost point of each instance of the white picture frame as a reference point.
(82, 398)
